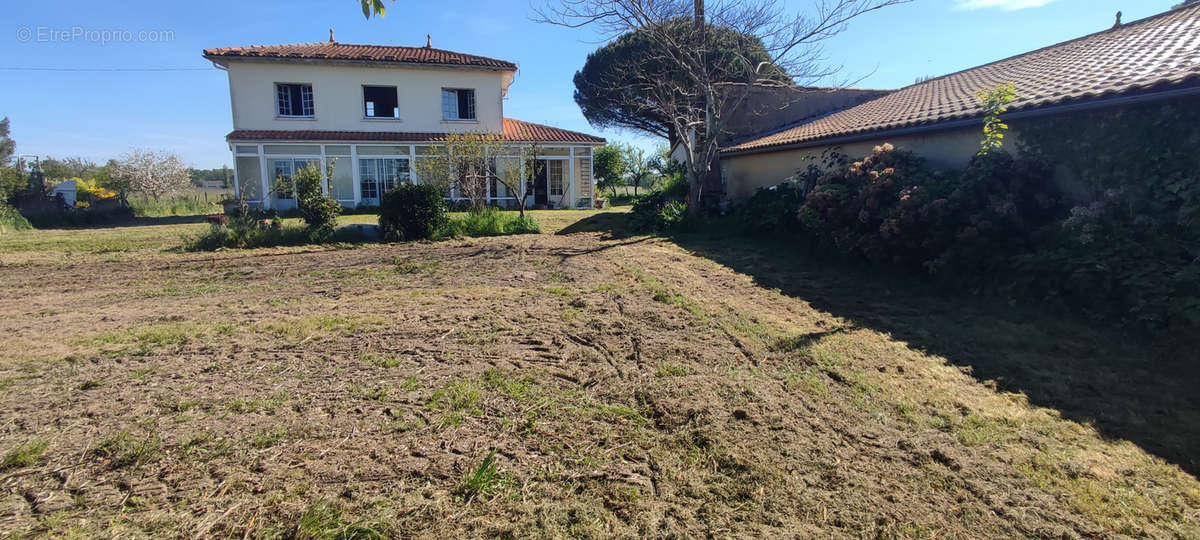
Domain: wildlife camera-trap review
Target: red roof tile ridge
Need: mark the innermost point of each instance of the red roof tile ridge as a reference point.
(1144, 58)
(1112, 29)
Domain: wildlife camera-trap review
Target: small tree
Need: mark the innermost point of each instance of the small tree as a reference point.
(72, 167)
(640, 168)
(699, 94)
(609, 166)
(462, 165)
(153, 172)
(517, 175)
(995, 103)
(7, 146)
(318, 210)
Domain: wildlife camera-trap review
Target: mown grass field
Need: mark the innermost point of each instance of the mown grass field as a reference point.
(583, 382)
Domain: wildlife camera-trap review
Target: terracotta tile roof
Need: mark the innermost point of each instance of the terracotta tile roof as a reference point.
(518, 130)
(334, 51)
(1155, 52)
(514, 130)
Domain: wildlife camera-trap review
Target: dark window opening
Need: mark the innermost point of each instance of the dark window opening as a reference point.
(294, 99)
(380, 102)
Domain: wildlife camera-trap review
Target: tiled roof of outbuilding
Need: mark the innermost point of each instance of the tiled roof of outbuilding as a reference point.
(1158, 51)
(334, 51)
(514, 130)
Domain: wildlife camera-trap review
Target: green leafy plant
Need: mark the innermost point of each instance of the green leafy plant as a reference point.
(995, 103)
(412, 212)
(1129, 248)
(491, 221)
(484, 481)
(318, 210)
(248, 232)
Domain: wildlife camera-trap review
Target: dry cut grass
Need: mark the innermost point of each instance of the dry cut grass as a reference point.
(585, 384)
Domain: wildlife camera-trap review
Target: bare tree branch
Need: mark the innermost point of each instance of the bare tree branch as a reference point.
(696, 99)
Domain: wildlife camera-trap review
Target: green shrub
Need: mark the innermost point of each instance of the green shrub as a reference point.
(80, 217)
(675, 186)
(412, 212)
(318, 210)
(12, 220)
(490, 221)
(1130, 247)
(656, 213)
(892, 209)
(772, 209)
(1129, 250)
(250, 232)
(672, 214)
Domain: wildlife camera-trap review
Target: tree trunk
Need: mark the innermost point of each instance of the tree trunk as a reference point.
(694, 187)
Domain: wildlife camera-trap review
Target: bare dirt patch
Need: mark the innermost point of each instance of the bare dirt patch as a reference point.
(550, 385)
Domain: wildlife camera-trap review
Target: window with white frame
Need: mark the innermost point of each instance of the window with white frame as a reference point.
(379, 175)
(458, 104)
(556, 177)
(285, 170)
(294, 99)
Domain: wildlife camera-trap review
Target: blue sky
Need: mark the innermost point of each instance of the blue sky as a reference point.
(101, 114)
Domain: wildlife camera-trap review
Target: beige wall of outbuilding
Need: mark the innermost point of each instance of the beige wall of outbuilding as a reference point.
(744, 174)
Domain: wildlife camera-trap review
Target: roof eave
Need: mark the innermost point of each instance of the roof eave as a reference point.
(223, 59)
(230, 139)
(1075, 106)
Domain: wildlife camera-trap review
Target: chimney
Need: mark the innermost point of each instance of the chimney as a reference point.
(1118, 23)
(428, 41)
(331, 36)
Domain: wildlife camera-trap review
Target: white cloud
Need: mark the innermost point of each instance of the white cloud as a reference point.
(1006, 5)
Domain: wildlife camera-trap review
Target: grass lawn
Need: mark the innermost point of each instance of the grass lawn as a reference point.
(583, 382)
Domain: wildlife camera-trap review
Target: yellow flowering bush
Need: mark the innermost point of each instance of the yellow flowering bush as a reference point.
(92, 190)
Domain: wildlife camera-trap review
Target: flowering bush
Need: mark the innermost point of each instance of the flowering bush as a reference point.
(891, 208)
(1125, 245)
(92, 190)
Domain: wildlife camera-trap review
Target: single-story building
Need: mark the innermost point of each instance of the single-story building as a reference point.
(1153, 59)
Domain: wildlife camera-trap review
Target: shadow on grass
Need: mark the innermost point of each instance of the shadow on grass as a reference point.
(1125, 384)
(134, 222)
(612, 226)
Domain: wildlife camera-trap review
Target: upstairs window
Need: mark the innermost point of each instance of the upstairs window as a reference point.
(458, 104)
(294, 99)
(380, 102)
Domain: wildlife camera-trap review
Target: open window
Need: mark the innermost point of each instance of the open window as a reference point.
(293, 99)
(380, 102)
(458, 104)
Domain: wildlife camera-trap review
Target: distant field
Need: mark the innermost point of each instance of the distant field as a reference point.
(584, 382)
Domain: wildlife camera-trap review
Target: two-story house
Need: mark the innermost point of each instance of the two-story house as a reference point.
(371, 110)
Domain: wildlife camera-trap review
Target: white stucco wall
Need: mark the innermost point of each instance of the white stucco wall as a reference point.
(338, 97)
